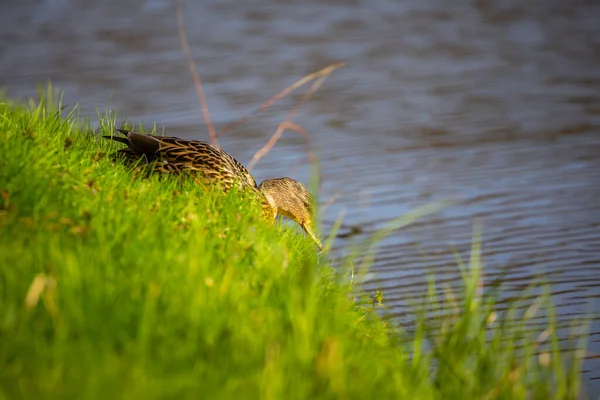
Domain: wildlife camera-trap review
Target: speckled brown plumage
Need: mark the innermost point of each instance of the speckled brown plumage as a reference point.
(175, 155)
(210, 164)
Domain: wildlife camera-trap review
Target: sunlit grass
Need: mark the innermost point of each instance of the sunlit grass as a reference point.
(115, 286)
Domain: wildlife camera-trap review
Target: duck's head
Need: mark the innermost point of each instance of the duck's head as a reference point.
(291, 199)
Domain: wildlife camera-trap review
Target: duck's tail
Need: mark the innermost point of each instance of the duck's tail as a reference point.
(124, 140)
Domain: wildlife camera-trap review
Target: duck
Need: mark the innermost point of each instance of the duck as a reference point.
(209, 164)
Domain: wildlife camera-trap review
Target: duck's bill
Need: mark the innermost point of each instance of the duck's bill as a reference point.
(310, 233)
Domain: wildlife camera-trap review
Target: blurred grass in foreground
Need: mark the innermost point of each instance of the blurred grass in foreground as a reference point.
(113, 286)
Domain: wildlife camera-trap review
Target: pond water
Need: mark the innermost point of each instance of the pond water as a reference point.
(493, 103)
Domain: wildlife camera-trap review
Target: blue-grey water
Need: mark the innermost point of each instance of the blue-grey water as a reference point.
(493, 103)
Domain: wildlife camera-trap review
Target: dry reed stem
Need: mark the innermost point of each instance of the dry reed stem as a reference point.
(301, 82)
(193, 70)
(288, 124)
(267, 147)
(320, 75)
(304, 133)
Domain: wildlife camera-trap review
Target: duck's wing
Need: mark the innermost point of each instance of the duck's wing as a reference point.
(175, 155)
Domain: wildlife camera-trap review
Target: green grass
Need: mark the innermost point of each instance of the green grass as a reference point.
(114, 286)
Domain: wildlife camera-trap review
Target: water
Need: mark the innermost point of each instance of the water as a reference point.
(496, 104)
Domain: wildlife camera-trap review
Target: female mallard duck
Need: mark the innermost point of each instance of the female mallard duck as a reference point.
(283, 196)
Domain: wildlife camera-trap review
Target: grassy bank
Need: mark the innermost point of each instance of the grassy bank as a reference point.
(113, 286)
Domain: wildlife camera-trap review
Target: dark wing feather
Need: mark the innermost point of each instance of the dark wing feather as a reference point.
(145, 144)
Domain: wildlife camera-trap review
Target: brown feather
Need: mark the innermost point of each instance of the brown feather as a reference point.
(174, 155)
